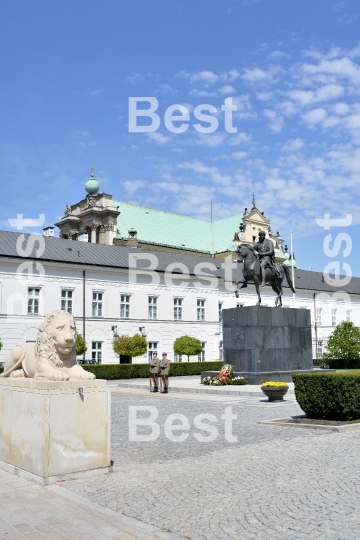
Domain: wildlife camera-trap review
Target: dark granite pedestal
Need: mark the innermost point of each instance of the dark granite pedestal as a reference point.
(267, 343)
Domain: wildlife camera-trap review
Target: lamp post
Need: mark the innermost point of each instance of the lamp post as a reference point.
(115, 335)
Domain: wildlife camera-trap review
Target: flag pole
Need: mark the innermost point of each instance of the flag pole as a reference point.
(292, 266)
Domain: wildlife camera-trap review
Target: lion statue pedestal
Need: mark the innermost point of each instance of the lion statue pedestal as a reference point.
(55, 417)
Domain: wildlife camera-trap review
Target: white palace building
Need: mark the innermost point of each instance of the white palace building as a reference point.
(121, 268)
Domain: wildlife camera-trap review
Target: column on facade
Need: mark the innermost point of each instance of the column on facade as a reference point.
(109, 229)
(102, 234)
(93, 233)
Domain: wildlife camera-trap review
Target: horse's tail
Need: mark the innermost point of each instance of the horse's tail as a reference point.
(288, 277)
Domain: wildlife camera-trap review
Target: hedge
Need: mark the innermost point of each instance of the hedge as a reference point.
(330, 396)
(344, 364)
(137, 371)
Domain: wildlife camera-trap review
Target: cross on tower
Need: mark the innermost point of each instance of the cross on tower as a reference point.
(253, 200)
(92, 171)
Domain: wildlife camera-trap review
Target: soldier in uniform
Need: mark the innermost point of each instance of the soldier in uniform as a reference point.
(164, 372)
(154, 372)
(265, 250)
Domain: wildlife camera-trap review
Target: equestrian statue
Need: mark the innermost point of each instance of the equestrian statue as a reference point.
(261, 269)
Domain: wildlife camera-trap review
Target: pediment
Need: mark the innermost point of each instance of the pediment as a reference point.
(256, 217)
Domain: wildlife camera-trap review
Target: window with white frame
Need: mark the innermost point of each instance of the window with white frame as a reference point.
(125, 306)
(200, 310)
(333, 317)
(220, 312)
(152, 347)
(152, 307)
(97, 304)
(201, 356)
(178, 309)
(67, 300)
(96, 351)
(177, 357)
(318, 316)
(33, 300)
(221, 350)
(319, 348)
(348, 315)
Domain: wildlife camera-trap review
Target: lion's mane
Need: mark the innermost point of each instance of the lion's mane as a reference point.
(44, 347)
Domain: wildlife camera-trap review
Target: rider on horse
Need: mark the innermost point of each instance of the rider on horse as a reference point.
(266, 254)
(265, 251)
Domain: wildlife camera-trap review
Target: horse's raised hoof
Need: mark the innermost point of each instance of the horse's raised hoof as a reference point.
(243, 285)
(237, 294)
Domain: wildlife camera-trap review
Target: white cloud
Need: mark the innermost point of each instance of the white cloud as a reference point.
(276, 121)
(263, 96)
(239, 155)
(340, 108)
(257, 75)
(325, 93)
(277, 55)
(315, 116)
(208, 77)
(210, 140)
(158, 138)
(133, 186)
(293, 144)
(239, 139)
(94, 93)
(227, 89)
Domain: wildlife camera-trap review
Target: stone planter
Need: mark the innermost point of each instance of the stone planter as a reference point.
(275, 393)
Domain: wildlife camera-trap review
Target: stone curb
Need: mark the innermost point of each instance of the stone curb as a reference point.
(280, 422)
(218, 391)
(138, 526)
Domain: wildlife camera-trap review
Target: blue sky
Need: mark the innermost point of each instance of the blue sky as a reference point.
(292, 68)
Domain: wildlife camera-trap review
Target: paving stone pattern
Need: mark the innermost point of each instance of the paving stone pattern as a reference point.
(34, 512)
(274, 483)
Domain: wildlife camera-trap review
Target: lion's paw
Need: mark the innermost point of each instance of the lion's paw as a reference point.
(51, 375)
(80, 374)
(17, 373)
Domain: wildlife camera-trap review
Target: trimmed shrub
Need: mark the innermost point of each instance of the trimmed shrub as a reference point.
(135, 345)
(330, 396)
(344, 363)
(81, 346)
(343, 347)
(140, 371)
(187, 346)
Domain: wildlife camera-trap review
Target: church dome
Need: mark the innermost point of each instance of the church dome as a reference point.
(92, 186)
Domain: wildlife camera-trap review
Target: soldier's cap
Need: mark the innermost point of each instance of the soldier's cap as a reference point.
(155, 352)
(164, 354)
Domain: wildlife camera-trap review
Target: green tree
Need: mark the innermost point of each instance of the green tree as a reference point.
(81, 346)
(187, 345)
(343, 344)
(135, 345)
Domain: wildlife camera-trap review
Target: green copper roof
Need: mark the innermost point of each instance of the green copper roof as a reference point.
(170, 229)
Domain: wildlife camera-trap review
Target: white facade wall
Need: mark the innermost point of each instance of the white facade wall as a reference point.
(16, 325)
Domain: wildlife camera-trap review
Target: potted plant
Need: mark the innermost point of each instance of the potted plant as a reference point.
(274, 390)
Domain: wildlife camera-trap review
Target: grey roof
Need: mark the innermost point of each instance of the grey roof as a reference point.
(87, 254)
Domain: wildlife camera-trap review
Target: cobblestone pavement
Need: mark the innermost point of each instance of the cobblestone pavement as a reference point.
(54, 513)
(273, 483)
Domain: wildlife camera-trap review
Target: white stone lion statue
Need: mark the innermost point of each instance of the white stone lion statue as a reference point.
(52, 357)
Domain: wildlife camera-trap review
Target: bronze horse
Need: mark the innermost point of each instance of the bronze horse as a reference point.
(252, 273)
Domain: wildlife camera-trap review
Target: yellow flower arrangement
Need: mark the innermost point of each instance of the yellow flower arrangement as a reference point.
(274, 384)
